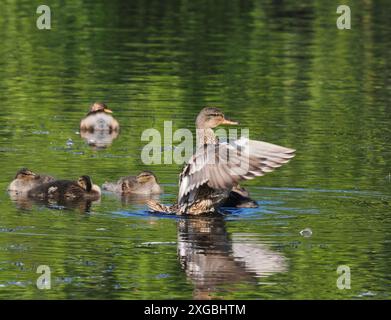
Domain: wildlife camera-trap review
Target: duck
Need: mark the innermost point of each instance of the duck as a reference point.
(239, 197)
(99, 118)
(145, 183)
(216, 167)
(67, 190)
(25, 180)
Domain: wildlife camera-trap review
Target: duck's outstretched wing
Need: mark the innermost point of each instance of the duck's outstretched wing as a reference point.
(222, 165)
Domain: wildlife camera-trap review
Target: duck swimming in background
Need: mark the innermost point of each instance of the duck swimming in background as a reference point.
(66, 190)
(216, 167)
(144, 183)
(99, 128)
(99, 118)
(26, 180)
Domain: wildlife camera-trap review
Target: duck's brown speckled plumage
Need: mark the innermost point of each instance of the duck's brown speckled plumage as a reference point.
(60, 190)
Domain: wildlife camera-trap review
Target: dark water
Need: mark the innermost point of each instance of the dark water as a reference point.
(281, 68)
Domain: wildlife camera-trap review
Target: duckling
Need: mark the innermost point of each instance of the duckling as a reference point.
(239, 197)
(144, 183)
(216, 167)
(99, 118)
(26, 180)
(61, 190)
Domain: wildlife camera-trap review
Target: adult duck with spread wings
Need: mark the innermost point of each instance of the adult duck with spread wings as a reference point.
(216, 168)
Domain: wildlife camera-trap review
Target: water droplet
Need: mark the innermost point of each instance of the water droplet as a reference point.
(306, 233)
(69, 142)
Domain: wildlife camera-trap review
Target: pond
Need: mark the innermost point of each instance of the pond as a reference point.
(281, 68)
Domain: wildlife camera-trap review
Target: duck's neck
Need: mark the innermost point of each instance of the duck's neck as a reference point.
(206, 136)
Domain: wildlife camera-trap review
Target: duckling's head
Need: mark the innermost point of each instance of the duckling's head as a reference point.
(26, 174)
(238, 189)
(85, 182)
(210, 117)
(99, 107)
(146, 177)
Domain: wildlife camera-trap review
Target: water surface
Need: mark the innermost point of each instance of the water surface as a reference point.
(281, 68)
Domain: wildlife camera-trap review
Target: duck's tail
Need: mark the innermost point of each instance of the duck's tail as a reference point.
(155, 206)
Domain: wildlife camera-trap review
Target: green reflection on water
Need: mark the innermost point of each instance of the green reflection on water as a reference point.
(281, 68)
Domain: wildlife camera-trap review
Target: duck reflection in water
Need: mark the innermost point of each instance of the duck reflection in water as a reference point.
(132, 199)
(81, 205)
(27, 203)
(215, 261)
(99, 140)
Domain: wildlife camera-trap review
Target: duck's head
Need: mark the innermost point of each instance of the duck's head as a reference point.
(26, 174)
(210, 117)
(85, 182)
(238, 189)
(99, 107)
(146, 177)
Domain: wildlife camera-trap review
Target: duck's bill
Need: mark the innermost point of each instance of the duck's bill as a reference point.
(108, 110)
(228, 121)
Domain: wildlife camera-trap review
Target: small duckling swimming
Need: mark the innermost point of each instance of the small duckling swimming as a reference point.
(26, 180)
(99, 118)
(144, 183)
(67, 190)
(239, 197)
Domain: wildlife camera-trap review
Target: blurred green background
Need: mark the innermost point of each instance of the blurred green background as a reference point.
(281, 68)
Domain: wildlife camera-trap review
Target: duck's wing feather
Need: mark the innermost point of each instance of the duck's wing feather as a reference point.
(223, 165)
